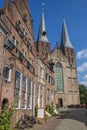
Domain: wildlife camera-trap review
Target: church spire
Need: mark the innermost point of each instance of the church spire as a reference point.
(42, 29)
(65, 40)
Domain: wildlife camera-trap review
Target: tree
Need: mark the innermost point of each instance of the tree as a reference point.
(83, 94)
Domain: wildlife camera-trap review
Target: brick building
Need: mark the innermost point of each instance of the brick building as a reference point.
(18, 79)
(30, 73)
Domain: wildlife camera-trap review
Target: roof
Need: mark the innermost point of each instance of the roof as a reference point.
(42, 37)
(65, 40)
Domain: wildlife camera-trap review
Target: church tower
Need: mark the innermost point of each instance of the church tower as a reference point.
(70, 74)
(66, 45)
(43, 45)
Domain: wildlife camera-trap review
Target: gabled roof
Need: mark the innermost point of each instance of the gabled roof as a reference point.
(42, 37)
(65, 40)
(56, 47)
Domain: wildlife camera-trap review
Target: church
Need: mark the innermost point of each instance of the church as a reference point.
(30, 72)
(63, 57)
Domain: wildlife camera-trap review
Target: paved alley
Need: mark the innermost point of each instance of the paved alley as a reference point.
(75, 120)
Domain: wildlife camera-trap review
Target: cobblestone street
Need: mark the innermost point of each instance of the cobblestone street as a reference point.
(75, 119)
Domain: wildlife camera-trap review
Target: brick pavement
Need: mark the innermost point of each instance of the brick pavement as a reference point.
(76, 120)
(51, 124)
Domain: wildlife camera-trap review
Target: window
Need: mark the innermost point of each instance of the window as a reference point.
(25, 17)
(17, 43)
(13, 40)
(59, 77)
(41, 71)
(7, 73)
(18, 25)
(23, 91)
(17, 88)
(48, 96)
(46, 55)
(23, 52)
(46, 76)
(29, 95)
(72, 52)
(30, 48)
(31, 61)
(24, 31)
(49, 79)
(72, 60)
(69, 60)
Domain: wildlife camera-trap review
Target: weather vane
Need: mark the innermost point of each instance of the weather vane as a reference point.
(63, 14)
(43, 4)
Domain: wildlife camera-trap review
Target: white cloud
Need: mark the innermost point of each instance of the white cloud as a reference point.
(83, 67)
(83, 83)
(85, 77)
(82, 54)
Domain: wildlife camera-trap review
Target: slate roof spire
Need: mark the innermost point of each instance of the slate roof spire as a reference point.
(65, 40)
(42, 37)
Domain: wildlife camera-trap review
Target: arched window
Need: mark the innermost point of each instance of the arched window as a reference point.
(5, 103)
(59, 77)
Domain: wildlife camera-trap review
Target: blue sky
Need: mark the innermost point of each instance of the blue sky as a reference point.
(75, 14)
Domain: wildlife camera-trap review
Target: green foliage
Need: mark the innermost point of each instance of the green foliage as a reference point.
(83, 94)
(5, 119)
(49, 109)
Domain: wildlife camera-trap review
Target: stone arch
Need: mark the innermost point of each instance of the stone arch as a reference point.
(58, 64)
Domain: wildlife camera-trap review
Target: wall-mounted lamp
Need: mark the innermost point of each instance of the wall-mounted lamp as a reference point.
(12, 60)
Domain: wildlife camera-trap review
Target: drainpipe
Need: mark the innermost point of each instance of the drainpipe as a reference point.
(2, 71)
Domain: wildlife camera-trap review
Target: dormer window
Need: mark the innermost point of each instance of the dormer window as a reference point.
(17, 43)
(28, 44)
(25, 17)
(23, 52)
(44, 33)
(24, 32)
(13, 40)
(18, 25)
(30, 60)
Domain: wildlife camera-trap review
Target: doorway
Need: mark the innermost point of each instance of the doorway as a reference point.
(60, 102)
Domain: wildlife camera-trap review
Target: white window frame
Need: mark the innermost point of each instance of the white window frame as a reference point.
(30, 107)
(19, 91)
(9, 77)
(25, 93)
